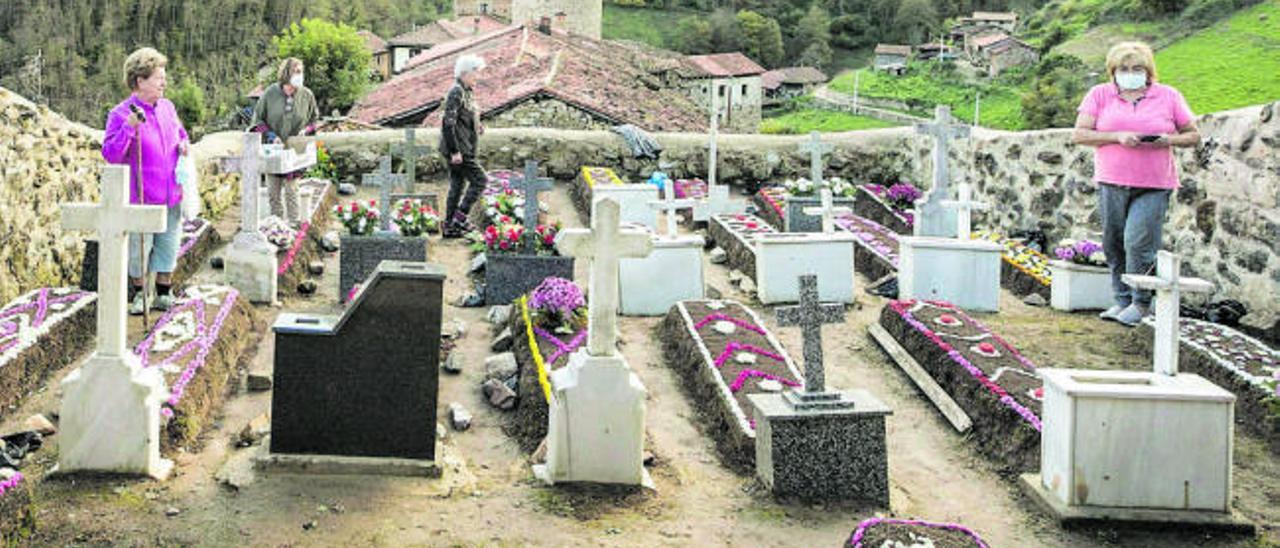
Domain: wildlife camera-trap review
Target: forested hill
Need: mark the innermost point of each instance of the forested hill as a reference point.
(70, 53)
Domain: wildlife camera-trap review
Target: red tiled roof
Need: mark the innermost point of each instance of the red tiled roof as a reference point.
(470, 26)
(373, 41)
(425, 36)
(592, 75)
(985, 41)
(725, 64)
(893, 49)
(792, 75)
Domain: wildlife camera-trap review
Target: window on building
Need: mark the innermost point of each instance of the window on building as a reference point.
(744, 90)
(723, 88)
(484, 9)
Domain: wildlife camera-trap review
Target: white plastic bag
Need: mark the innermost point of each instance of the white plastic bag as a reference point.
(188, 180)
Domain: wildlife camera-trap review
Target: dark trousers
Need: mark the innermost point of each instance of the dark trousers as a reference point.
(468, 176)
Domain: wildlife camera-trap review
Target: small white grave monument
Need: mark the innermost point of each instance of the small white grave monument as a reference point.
(782, 258)
(717, 201)
(633, 202)
(961, 271)
(110, 418)
(933, 217)
(595, 430)
(671, 273)
(251, 261)
(1130, 445)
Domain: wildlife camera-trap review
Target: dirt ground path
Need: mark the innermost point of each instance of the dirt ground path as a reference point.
(488, 495)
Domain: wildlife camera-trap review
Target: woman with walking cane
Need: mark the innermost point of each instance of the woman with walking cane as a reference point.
(144, 132)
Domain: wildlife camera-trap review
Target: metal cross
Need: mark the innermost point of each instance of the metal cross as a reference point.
(530, 184)
(810, 315)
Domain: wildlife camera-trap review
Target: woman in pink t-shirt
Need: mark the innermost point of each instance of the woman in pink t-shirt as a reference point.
(1133, 122)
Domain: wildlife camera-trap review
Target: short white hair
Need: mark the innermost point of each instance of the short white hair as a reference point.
(467, 64)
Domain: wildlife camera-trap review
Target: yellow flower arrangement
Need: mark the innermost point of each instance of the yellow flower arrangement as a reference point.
(1029, 261)
(589, 175)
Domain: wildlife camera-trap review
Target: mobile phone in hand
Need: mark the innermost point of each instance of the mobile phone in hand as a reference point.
(1149, 138)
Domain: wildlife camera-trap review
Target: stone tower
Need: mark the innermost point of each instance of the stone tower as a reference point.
(498, 9)
(576, 16)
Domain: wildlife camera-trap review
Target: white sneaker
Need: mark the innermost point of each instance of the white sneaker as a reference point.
(137, 308)
(1111, 313)
(1132, 315)
(163, 303)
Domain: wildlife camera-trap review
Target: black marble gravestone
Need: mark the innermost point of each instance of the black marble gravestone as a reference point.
(363, 384)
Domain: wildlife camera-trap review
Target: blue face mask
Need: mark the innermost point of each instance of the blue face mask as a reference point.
(1131, 80)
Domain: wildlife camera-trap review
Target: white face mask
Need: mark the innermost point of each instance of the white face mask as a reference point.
(1131, 80)
(296, 80)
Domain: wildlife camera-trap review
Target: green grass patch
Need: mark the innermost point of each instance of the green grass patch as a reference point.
(1234, 63)
(656, 27)
(802, 121)
(921, 90)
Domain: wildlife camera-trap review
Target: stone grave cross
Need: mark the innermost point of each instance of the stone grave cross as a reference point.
(816, 148)
(530, 185)
(715, 136)
(1169, 287)
(931, 218)
(809, 316)
(828, 211)
(964, 210)
(411, 151)
(250, 166)
(604, 244)
(113, 220)
(387, 182)
(671, 205)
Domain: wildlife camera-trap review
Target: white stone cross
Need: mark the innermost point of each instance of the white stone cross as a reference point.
(250, 181)
(828, 210)
(113, 219)
(715, 135)
(964, 211)
(671, 205)
(387, 183)
(411, 151)
(810, 315)
(604, 244)
(530, 184)
(816, 148)
(943, 130)
(1169, 287)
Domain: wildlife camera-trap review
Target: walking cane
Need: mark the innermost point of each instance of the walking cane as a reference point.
(142, 200)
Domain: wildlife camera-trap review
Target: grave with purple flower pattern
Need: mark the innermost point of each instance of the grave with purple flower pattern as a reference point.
(550, 323)
(890, 206)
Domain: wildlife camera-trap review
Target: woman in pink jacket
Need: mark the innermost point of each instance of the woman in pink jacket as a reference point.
(144, 132)
(1133, 122)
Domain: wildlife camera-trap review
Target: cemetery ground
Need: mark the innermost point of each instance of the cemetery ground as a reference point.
(488, 495)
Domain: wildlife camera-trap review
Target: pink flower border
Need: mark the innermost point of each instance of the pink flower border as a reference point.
(855, 540)
(202, 344)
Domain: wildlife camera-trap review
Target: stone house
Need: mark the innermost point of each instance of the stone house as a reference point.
(787, 83)
(738, 82)
(892, 58)
(1001, 52)
(550, 79)
(406, 46)
(574, 16)
(1004, 20)
(935, 51)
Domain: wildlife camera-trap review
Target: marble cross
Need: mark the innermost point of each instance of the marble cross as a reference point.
(411, 151)
(964, 210)
(113, 219)
(810, 315)
(828, 211)
(931, 218)
(1169, 287)
(816, 148)
(671, 205)
(604, 244)
(715, 135)
(387, 182)
(250, 167)
(530, 184)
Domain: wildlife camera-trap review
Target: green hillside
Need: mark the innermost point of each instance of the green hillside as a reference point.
(1232, 64)
(799, 122)
(922, 88)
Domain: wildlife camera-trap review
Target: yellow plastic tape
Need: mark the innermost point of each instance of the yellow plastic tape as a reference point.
(533, 347)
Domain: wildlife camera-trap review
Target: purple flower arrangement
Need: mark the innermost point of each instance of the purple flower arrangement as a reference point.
(558, 302)
(1083, 252)
(902, 196)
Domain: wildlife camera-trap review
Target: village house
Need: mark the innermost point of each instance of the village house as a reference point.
(892, 58)
(787, 83)
(935, 51)
(1000, 52)
(381, 53)
(1004, 20)
(574, 16)
(404, 47)
(737, 81)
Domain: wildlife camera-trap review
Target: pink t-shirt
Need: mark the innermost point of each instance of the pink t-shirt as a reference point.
(1162, 112)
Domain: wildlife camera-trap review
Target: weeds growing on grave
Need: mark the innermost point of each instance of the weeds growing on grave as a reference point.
(325, 167)
(360, 219)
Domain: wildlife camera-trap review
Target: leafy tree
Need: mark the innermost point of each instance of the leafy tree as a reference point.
(851, 32)
(815, 31)
(1058, 87)
(694, 35)
(915, 20)
(338, 66)
(726, 35)
(761, 37)
(188, 99)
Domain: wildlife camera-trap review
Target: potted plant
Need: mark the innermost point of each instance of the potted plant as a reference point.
(364, 245)
(803, 193)
(1081, 279)
(512, 269)
(891, 206)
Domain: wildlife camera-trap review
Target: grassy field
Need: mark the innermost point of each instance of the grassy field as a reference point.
(799, 122)
(1231, 64)
(651, 26)
(1001, 105)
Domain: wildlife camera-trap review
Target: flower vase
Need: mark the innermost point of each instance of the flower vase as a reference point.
(1080, 287)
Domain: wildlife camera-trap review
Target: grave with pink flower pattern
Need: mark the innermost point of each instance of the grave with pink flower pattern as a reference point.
(726, 353)
(40, 332)
(892, 532)
(992, 381)
(875, 254)
(298, 248)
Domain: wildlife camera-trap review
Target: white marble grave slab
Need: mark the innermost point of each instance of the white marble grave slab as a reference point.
(650, 286)
(965, 273)
(633, 200)
(782, 258)
(1080, 287)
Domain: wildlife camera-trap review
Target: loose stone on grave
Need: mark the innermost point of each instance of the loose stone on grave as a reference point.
(671, 273)
(816, 444)
(961, 271)
(384, 353)
(1179, 426)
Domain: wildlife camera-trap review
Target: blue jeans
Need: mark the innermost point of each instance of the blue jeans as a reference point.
(1132, 227)
(162, 247)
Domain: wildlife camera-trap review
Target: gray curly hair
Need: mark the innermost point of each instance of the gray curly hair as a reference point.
(467, 64)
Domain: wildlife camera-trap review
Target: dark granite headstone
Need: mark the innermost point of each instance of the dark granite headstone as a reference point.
(363, 384)
(507, 276)
(359, 256)
(799, 221)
